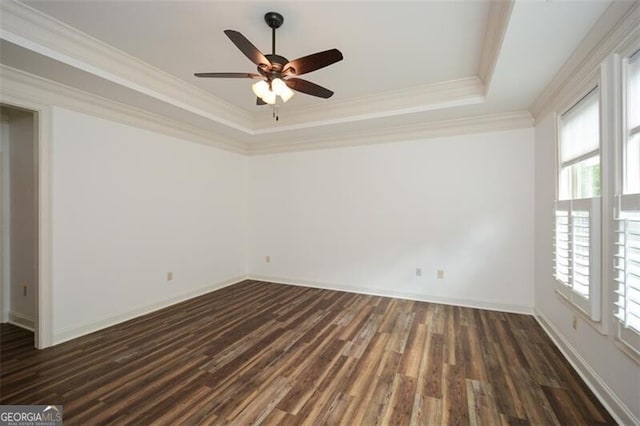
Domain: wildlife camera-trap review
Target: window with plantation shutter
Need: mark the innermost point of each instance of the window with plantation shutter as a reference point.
(577, 212)
(626, 262)
(577, 254)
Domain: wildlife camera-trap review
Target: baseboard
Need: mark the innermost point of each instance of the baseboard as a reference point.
(20, 320)
(75, 332)
(611, 402)
(477, 304)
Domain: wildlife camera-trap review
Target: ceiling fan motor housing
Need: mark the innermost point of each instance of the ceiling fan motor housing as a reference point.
(277, 64)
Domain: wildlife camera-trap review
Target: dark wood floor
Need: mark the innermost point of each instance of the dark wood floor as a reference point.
(260, 352)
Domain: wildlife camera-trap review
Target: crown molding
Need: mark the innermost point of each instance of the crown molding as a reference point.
(36, 31)
(423, 98)
(499, 17)
(19, 85)
(432, 129)
(621, 25)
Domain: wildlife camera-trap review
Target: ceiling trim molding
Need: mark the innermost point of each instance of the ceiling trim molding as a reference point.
(19, 85)
(499, 17)
(427, 130)
(423, 98)
(621, 21)
(40, 33)
(27, 87)
(36, 31)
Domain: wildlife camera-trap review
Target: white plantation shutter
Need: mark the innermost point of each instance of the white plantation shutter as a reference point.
(627, 270)
(577, 254)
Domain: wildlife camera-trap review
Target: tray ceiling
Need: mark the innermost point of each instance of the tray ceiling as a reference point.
(406, 63)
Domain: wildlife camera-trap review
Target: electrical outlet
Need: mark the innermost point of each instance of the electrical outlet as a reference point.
(440, 274)
(418, 272)
(267, 259)
(574, 323)
(169, 276)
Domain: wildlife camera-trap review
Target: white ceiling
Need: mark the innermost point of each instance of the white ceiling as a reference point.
(405, 62)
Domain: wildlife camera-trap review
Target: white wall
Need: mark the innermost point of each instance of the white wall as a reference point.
(364, 218)
(130, 205)
(613, 373)
(23, 217)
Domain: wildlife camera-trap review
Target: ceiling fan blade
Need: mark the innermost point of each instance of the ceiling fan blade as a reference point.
(313, 62)
(227, 75)
(245, 46)
(308, 87)
(259, 101)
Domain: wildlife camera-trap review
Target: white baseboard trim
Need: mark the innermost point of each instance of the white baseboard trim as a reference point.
(611, 402)
(74, 332)
(467, 303)
(21, 320)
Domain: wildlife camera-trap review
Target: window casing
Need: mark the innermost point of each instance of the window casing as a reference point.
(626, 262)
(577, 212)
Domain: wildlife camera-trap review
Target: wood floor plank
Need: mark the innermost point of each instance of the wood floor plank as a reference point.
(259, 352)
(483, 409)
(456, 406)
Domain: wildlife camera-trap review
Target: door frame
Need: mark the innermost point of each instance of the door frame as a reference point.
(4, 219)
(43, 321)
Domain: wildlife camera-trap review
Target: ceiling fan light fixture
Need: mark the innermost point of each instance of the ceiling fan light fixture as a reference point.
(281, 89)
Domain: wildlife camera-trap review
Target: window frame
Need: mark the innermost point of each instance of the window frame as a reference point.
(589, 307)
(627, 338)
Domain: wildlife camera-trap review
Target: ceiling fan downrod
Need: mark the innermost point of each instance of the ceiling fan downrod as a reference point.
(274, 20)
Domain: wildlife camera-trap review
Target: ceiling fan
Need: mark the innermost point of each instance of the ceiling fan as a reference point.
(276, 74)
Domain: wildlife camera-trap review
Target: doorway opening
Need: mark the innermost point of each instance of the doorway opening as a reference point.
(19, 275)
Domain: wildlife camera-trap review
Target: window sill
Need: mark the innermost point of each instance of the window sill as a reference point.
(596, 325)
(628, 350)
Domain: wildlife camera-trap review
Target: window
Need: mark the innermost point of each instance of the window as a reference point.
(577, 216)
(627, 243)
(580, 150)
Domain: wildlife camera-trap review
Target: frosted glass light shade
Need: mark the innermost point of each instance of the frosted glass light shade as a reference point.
(269, 97)
(280, 88)
(260, 88)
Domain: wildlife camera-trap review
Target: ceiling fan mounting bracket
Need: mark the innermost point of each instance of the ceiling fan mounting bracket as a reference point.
(273, 19)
